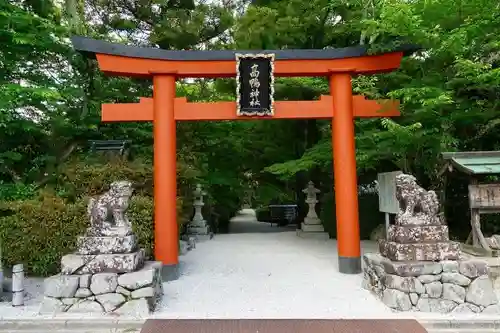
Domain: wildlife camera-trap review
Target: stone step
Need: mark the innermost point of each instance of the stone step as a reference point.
(462, 325)
(71, 325)
(464, 330)
(98, 325)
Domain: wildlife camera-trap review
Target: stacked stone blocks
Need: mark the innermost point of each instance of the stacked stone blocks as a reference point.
(123, 293)
(445, 286)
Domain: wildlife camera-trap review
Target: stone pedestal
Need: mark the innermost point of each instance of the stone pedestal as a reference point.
(133, 293)
(116, 244)
(102, 263)
(444, 286)
(418, 242)
(106, 282)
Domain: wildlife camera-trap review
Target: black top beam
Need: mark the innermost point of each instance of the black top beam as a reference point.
(90, 47)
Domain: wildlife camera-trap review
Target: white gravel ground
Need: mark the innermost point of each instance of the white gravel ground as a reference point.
(263, 274)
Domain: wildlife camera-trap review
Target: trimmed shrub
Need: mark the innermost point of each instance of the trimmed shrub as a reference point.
(91, 177)
(140, 213)
(16, 191)
(39, 232)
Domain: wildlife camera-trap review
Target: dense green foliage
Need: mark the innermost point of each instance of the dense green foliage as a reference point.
(50, 103)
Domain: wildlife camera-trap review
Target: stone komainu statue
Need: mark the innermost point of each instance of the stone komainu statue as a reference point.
(413, 199)
(108, 212)
(420, 232)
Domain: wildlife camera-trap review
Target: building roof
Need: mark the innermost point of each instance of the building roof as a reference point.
(474, 162)
(90, 47)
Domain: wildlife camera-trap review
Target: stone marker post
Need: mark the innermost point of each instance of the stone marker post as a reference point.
(312, 227)
(18, 285)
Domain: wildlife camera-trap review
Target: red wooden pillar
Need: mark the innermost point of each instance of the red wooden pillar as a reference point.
(165, 177)
(344, 166)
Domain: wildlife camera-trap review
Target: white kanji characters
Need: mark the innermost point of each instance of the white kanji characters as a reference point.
(255, 84)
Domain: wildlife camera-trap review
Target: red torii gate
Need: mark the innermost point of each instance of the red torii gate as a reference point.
(164, 109)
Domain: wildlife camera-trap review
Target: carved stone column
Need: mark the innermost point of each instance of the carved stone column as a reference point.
(198, 225)
(312, 226)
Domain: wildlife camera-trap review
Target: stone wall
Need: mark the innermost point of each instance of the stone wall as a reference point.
(135, 293)
(445, 286)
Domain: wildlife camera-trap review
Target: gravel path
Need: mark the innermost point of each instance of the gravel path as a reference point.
(258, 273)
(266, 275)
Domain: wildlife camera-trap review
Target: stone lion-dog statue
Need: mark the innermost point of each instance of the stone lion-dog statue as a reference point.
(108, 212)
(415, 201)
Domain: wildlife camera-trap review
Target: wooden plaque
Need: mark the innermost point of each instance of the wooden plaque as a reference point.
(484, 196)
(255, 84)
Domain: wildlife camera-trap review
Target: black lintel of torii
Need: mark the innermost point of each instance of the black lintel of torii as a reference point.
(90, 47)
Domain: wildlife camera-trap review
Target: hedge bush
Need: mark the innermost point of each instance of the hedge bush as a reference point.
(39, 232)
(16, 191)
(92, 176)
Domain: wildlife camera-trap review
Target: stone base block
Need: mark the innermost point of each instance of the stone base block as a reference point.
(198, 230)
(445, 286)
(203, 237)
(314, 220)
(418, 234)
(102, 263)
(420, 251)
(313, 235)
(170, 272)
(106, 245)
(312, 227)
(135, 293)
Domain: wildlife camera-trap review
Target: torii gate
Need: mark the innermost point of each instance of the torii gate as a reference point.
(164, 109)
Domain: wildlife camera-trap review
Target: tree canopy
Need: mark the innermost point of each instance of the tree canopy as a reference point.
(50, 96)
